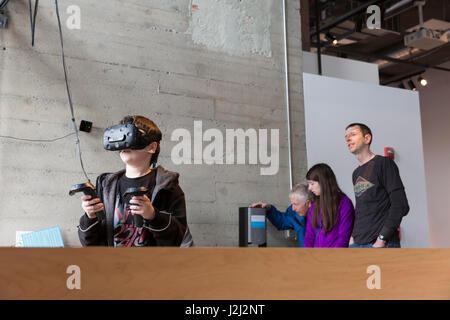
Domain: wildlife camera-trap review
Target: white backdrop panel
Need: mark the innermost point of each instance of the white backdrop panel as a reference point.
(394, 118)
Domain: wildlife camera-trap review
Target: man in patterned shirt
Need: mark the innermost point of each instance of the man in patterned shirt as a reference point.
(381, 201)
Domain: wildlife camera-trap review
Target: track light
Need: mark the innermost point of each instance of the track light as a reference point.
(423, 82)
(412, 85)
(401, 85)
(331, 39)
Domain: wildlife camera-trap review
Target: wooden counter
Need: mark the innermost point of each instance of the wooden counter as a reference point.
(224, 273)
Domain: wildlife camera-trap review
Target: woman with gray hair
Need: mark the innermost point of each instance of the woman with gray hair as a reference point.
(295, 215)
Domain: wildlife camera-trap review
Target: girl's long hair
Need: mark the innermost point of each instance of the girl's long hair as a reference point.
(329, 198)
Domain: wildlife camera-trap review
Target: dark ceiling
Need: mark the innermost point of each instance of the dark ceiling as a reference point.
(345, 20)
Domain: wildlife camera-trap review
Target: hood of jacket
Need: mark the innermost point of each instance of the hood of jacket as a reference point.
(165, 179)
(108, 181)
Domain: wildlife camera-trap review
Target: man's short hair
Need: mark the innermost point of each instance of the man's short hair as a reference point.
(301, 190)
(364, 129)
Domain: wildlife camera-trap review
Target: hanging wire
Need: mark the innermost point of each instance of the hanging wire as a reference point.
(77, 138)
(33, 19)
(38, 140)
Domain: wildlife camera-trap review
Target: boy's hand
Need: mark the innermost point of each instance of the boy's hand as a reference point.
(142, 205)
(91, 207)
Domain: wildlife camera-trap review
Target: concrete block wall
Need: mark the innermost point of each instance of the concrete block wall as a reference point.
(140, 57)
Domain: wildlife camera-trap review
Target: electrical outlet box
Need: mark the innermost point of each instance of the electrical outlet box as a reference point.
(85, 126)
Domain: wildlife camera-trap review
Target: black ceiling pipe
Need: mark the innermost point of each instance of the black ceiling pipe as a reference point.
(350, 14)
(401, 77)
(374, 56)
(319, 58)
(398, 8)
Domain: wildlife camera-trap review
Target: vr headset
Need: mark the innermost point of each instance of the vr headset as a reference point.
(126, 136)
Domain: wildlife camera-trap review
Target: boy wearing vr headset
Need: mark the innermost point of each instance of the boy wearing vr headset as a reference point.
(162, 207)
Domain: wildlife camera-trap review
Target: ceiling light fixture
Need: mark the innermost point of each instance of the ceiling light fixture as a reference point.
(412, 85)
(331, 39)
(423, 82)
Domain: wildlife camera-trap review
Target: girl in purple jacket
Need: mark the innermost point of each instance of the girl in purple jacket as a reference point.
(330, 218)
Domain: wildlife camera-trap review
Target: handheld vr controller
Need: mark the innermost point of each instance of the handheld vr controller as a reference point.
(89, 190)
(138, 219)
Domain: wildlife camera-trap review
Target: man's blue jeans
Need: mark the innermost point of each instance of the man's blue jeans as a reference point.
(390, 244)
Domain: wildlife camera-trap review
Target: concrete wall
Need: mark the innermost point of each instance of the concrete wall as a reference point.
(435, 112)
(393, 115)
(150, 58)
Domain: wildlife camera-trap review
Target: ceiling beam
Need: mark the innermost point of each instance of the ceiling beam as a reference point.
(351, 13)
(402, 77)
(380, 57)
